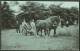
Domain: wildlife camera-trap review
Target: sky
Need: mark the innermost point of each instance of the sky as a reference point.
(46, 3)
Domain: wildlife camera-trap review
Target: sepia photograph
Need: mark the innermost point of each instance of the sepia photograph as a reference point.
(39, 25)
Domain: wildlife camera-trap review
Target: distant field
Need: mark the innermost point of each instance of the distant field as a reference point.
(67, 39)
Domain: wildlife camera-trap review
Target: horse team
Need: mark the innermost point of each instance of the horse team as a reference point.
(33, 27)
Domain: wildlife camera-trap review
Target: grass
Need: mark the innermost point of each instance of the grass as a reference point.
(67, 39)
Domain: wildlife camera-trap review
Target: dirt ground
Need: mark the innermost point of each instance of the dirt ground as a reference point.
(66, 39)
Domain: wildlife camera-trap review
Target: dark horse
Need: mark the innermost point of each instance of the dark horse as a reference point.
(67, 21)
(48, 24)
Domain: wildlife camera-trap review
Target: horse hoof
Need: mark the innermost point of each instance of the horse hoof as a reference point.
(48, 35)
(25, 34)
(54, 36)
(41, 36)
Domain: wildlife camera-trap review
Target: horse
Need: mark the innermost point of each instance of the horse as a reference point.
(48, 24)
(64, 22)
(67, 21)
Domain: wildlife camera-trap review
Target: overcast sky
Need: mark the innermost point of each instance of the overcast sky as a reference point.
(47, 3)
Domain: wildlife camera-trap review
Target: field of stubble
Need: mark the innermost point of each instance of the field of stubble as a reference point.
(67, 39)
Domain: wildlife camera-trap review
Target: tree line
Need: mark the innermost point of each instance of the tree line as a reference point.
(34, 10)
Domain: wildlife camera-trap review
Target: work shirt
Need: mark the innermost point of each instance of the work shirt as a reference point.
(33, 28)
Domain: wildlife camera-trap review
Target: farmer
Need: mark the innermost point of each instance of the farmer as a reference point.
(32, 23)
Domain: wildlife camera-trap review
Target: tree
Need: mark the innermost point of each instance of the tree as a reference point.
(35, 10)
(55, 9)
(7, 16)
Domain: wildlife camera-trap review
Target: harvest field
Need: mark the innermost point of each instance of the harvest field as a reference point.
(66, 39)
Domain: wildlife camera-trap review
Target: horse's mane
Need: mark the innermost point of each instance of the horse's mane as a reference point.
(49, 21)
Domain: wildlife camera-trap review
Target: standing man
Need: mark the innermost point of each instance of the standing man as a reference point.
(17, 27)
(33, 27)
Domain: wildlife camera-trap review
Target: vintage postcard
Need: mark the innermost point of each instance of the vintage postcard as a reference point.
(39, 25)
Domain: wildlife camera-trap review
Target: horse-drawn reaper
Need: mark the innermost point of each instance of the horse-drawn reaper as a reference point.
(25, 24)
(28, 28)
(34, 27)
